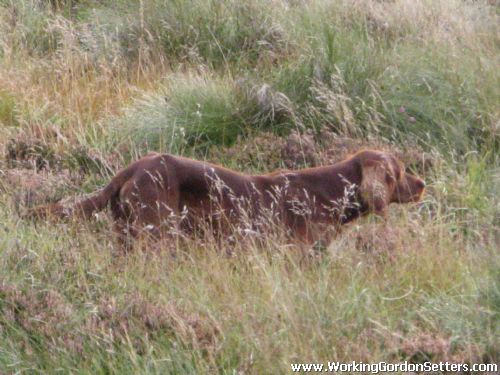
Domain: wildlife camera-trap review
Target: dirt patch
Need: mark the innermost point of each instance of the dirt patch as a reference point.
(36, 172)
(309, 149)
(429, 347)
(263, 150)
(300, 150)
(435, 347)
(334, 148)
(137, 314)
(133, 320)
(420, 347)
(29, 187)
(44, 310)
(29, 152)
(26, 152)
(89, 161)
(381, 241)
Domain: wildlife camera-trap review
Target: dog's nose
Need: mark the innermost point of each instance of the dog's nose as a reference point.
(421, 184)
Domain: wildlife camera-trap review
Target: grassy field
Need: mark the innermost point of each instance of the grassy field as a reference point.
(86, 86)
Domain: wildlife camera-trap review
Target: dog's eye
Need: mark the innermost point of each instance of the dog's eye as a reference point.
(410, 170)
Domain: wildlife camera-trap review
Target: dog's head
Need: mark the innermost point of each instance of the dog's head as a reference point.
(385, 181)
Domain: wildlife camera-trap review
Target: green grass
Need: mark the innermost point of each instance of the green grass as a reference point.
(92, 85)
(7, 109)
(196, 112)
(264, 307)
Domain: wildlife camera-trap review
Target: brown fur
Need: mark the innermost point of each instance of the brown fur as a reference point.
(162, 191)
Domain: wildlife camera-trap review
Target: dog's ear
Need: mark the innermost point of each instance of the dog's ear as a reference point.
(374, 188)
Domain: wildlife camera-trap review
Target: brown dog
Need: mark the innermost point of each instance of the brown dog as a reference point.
(160, 191)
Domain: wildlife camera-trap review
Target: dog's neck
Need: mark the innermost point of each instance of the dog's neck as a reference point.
(334, 188)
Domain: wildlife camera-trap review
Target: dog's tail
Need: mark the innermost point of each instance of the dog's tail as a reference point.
(86, 207)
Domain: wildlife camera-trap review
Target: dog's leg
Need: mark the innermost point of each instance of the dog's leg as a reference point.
(154, 205)
(123, 217)
(125, 234)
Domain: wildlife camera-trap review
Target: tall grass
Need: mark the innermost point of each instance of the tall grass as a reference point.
(101, 82)
(196, 112)
(256, 311)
